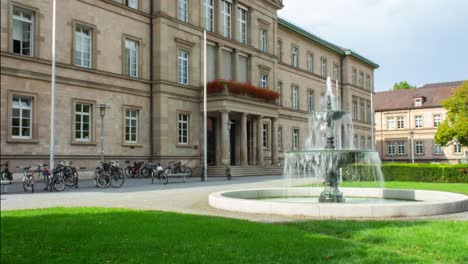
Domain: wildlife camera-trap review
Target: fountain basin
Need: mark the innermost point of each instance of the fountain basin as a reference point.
(417, 202)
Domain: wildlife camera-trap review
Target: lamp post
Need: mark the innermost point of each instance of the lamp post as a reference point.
(228, 164)
(102, 112)
(412, 146)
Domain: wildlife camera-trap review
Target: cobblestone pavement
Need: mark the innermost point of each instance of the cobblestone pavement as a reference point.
(177, 196)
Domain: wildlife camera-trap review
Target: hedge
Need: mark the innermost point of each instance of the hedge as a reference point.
(419, 172)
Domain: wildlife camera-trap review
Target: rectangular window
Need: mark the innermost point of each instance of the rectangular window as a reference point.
(21, 117)
(355, 109)
(310, 101)
(368, 82)
(354, 77)
(356, 141)
(418, 102)
(361, 79)
(280, 51)
(324, 67)
(132, 3)
(131, 58)
(280, 92)
(23, 32)
(210, 62)
(182, 10)
(243, 68)
(418, 121)
(295, 97)
(294, 59)
(336, 72)
(242, 19)
(437, 120)
(227, 64)
(390, 123)
(265, 136)
(363, 142)
(369, 111)
(310, 62)
(419, 148)
(280, 138)
(400, 122)
(362, 110)
(401, 148)
(209, 15)
(226, 6)
(83, 121)
(437, 149)
(83, 48)
(263, 80)
(183, 128)
(369, 143)
(295, 138)
(263, 40)
(391, 148)
(457, 148)
(183, 67)
(131, 125)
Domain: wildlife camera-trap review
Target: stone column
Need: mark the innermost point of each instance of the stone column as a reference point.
(260, 140)
(274, 141)
(219, 142)
(243, 143)
(254, 142)
(225, 148)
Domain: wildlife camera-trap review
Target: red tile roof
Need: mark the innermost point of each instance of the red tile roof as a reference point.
(433, 93)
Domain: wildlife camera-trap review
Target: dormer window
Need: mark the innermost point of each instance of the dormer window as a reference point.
(418, 101)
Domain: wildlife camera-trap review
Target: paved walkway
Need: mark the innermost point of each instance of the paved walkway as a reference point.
(177, 196)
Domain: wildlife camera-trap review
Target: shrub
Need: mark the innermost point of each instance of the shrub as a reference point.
(424, 172)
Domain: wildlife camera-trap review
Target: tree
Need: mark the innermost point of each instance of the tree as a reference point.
(455, 126)
(402, 86)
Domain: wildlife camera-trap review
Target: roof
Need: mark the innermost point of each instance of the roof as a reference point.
(433, 94)
(341, 51)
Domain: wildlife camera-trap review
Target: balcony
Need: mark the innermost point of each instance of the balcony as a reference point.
(245, 89)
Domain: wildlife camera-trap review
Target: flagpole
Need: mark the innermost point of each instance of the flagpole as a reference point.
(205, 134)
(52, 97)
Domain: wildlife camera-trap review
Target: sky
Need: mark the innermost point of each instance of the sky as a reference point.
(419, 41)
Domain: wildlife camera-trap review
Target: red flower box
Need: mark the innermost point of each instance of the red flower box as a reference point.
(218, 86)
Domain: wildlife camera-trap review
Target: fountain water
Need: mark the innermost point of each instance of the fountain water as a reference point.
(330, 151)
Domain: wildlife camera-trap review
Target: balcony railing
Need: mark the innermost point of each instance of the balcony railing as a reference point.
(247, 89)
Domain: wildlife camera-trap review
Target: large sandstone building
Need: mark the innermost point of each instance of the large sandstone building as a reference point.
(407, 120)
(144, 60)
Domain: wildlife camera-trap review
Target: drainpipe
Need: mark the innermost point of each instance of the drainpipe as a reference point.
(151, 81)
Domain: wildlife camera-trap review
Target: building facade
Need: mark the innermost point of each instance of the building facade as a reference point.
(144, 60)
(407, 120)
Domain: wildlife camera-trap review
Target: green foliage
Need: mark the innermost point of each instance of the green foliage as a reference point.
(97, 235)
(455, 126)
(404, 85)
(424, 172)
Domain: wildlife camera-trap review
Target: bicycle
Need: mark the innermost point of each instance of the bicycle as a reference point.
(52, 181)
(109, 175)
(133, 169)
(157, 171)
(69, 173)
(6, 175)
(178, 167)
(28, 181)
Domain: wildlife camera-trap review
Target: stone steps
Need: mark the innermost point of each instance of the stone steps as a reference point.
(238, 171)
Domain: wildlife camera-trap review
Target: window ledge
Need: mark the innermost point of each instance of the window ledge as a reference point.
(84, 143)
(23, 140)
(184, 146)
(132, 145)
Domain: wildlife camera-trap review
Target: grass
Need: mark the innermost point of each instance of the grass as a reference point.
(445, 187)
(97, 235)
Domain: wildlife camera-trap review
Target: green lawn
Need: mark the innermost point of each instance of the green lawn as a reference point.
(96, 235)
(446, 187)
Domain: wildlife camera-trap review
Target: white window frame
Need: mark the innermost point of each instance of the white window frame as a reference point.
(265, 136)
(310, 62)
(82, 114)
(401, 148)
(355, 109)
(183, 128)
(419, 148)
(418, 121)
(295, 139)
(391, 150)
(336, 70)
(418, 102)
(457, 147)
(362, 110)
(183, 67)
(226, 13)
(368, 82)
(263, 80)
(23, 19)
(131, 57)
(354, 77)
(280, 92)
(182, 10)
(310, 101)
(295, 57)
(437, 149)
(132, 114)
(209, 15)
(132, 4)
(280, 138)
(279, 46)
(242, 18)
(400, 122)
(390, 123)
(22, 108)
(79, 46)
(295, 97)
(361, 79)
(437, 120)
(263, 40)
(323, 63)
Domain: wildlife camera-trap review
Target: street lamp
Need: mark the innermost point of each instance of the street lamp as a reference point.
(102, 112)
